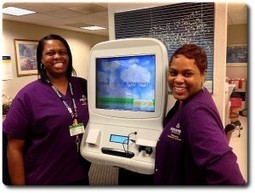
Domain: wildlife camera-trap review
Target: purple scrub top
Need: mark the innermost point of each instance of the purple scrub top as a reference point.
(193, 148)
(38, 116)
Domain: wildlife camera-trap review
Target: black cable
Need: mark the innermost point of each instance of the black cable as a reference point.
(134, 133)
(128, 139)
(123, 145)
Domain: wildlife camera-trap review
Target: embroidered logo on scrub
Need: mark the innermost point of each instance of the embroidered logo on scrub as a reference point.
(83, 100)
(175, 132)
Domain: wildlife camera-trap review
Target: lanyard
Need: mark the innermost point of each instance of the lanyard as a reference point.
(74, 114)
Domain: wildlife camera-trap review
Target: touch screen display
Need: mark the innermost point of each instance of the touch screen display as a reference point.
(126, 83)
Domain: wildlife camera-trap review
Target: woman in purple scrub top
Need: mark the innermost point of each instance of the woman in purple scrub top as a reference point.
(193, 149)
(46, 121)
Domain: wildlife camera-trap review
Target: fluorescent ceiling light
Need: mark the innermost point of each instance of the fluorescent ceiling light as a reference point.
(93, 28)
(16, 11)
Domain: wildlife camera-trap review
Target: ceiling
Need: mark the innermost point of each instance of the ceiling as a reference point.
(71, 16)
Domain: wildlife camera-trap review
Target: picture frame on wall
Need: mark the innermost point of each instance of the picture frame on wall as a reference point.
(25, 54)
(237, 54)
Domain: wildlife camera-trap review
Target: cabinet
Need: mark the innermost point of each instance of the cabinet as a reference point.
(236, 73)
(240, 90)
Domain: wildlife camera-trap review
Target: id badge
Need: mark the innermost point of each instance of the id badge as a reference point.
(76, 129)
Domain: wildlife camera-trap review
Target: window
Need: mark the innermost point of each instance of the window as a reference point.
(174, 25)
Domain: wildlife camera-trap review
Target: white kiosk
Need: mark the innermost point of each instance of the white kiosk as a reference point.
(127, 95)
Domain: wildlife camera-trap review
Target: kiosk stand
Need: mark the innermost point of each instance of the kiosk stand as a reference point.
(127, 95)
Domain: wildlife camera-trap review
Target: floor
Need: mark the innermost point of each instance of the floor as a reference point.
(240, 146)
(103, 175)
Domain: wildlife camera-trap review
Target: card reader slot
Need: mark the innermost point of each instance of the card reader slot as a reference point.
(117, 152)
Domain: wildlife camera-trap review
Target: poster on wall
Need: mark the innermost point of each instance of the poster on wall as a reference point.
(237, 53)
(6, 68)
(25, 51)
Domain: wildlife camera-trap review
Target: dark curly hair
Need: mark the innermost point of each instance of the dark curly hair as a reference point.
(192, 51)
(40, 47)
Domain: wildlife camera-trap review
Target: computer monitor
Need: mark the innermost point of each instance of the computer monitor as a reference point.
(127, 95)
(126, 83)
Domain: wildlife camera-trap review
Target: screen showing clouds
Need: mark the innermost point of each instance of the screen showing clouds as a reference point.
(126, 83)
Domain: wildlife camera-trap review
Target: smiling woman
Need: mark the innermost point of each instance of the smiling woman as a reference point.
(46, 121)
(193, 136)
(187, 71)
(55, 60)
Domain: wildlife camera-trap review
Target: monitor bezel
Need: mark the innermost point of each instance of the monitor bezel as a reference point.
(136, 50)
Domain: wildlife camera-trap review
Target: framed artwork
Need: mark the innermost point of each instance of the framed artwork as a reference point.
(237, 54)
(25, 54)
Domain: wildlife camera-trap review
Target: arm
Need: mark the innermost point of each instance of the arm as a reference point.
(16, 161)
(210, 149)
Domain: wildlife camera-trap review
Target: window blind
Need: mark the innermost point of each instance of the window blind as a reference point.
(174, 25)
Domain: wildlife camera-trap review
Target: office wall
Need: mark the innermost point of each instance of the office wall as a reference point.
(80, 44)
(220, 42)
(237, 34)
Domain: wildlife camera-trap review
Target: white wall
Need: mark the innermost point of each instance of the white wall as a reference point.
(80, 44)
(237, 71)
(237, 35)
(220, 43)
